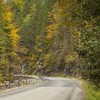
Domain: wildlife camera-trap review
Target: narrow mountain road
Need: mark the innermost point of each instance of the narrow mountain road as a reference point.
(48, 89)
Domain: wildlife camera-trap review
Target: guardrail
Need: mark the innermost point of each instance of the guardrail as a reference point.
(26, 80)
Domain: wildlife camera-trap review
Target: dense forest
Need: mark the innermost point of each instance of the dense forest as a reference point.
(47, 37)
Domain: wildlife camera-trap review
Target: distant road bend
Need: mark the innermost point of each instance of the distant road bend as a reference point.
(48, 89)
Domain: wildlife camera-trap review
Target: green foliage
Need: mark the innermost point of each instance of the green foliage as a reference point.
(47, 37)
(86, 39)
(8, 41)
(91, 92)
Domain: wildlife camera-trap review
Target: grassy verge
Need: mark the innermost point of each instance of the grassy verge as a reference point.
(91, 92)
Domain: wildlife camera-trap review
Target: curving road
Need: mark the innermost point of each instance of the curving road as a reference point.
(48, 89)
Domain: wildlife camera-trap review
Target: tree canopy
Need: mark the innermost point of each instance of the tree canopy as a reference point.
(48, 37)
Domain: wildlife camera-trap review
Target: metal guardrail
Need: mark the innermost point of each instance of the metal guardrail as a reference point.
(27, 80)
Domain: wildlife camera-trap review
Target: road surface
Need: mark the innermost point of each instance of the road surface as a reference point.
(48, 89)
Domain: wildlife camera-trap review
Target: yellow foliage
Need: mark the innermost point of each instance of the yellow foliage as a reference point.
(72, 57)
(14, 53)
(10, 26)
(47, 56)
(77, 34)
(8, 16)
(33, 57)
(19, 3)
(54, 17)
(51, 31)
(14, 37)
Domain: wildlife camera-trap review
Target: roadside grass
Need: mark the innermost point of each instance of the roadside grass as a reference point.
(91, 92)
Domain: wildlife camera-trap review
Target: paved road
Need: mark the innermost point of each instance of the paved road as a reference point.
(48, 89)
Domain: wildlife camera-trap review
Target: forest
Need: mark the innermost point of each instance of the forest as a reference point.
(48, 37)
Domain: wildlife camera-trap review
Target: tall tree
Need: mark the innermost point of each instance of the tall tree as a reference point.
(8, 40)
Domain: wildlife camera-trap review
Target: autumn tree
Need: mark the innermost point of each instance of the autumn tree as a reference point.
(8, 40)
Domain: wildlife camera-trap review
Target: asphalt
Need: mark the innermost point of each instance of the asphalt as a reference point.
(49, 88)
